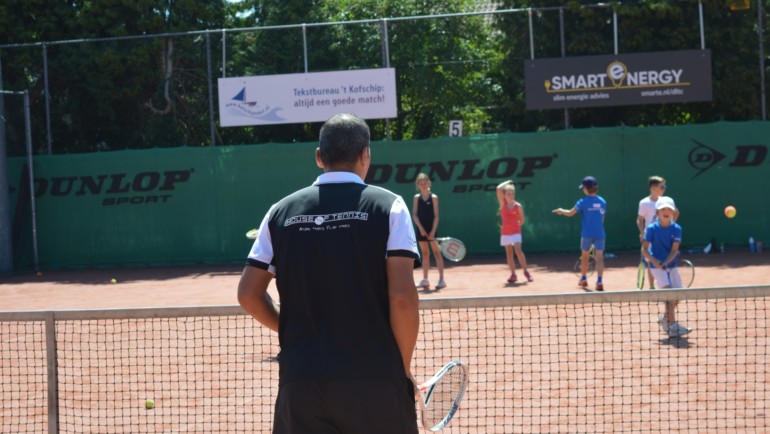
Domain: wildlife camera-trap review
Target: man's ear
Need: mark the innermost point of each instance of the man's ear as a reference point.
(318, 160)
(366, 156)
(364, 161)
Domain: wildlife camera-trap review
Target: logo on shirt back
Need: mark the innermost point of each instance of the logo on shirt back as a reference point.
(320, 219)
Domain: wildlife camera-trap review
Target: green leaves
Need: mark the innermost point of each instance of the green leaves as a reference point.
(154, 92)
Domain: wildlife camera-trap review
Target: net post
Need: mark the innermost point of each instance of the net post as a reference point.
(53, 373)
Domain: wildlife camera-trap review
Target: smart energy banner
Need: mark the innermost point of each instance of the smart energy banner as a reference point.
(622, 79)
(310, 97)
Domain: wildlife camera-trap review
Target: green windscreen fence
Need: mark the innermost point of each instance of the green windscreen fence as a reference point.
(194, 205)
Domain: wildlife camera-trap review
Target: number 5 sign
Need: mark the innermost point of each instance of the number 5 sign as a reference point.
(455, 128)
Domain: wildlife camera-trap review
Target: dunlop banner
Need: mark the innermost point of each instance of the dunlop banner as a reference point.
(621, 79)
(193, 205)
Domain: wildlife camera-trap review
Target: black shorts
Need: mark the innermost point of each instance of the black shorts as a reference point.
(349, 406)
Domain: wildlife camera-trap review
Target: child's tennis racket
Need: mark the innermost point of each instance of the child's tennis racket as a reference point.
(252, 234)
(440, 396)
(641, 273)
(452, 248)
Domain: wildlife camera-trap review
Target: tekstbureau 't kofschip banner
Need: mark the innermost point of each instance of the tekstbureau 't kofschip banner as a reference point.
(309, 97)
(620, 79)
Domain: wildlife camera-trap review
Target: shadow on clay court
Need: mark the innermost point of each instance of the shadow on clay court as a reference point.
(564, 262)
(547, 262)
(681, 343)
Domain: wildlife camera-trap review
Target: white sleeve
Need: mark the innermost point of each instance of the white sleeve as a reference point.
(401, 236)
(261, 253)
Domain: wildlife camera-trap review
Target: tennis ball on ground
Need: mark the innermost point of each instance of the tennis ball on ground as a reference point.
(149, 404)
(113, 281)
(730, 212)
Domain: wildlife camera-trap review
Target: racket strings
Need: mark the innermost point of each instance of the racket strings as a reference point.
(441, 400)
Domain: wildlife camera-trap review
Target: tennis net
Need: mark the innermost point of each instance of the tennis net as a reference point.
(594, 362)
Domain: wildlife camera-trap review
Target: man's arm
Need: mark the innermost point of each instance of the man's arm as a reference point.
(253, 297)
(404, 307)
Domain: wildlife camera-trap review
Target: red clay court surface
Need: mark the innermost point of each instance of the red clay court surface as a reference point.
(207, 284)
(554, 385)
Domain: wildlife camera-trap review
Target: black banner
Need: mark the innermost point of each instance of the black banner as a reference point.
(622, 79)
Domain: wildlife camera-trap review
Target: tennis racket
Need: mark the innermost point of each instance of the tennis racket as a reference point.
(640, 276)
(252, 234)
(440, 396)
(452, 248)
(686, 272)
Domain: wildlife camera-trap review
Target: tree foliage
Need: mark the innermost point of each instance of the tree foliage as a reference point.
(113, 93)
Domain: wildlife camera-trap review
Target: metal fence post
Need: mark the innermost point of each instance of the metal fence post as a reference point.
(49, 133)
(615, 29)
(304, 44)
(531, 36)
(563, 54)
(702, 34)
(385, 60)
(212, 126)
(224, 53)
(761, 31)
(28, 131)
(6, 243)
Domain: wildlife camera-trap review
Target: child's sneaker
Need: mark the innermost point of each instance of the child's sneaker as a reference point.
(675, 330)
(424, 283)
(528, 276)
(583, 283)
(441, 284)
(663, 323)
(599, 286)
(513, 278)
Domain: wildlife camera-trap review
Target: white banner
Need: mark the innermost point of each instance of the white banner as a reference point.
(311, 97)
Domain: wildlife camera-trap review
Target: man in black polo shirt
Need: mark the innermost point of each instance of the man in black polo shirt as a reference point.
(342, 253)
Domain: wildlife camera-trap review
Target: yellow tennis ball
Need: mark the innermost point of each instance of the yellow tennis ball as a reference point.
(39, 273)
(113, 281)
(149, 404)
(730, 211)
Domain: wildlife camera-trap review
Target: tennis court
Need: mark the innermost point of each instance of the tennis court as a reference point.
(540, 361)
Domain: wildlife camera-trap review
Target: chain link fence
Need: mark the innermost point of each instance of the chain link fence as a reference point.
(160, 90)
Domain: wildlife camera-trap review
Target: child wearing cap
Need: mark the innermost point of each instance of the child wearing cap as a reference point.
(647, 212)
(661, 248)
(592, 209)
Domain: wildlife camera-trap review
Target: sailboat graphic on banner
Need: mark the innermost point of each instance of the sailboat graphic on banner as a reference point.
(241, 106)
(241, 97)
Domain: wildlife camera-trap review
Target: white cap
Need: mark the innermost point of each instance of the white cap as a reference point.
(665, 203)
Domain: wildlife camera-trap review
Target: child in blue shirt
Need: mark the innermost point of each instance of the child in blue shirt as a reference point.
(661, 248)
(592, 209)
